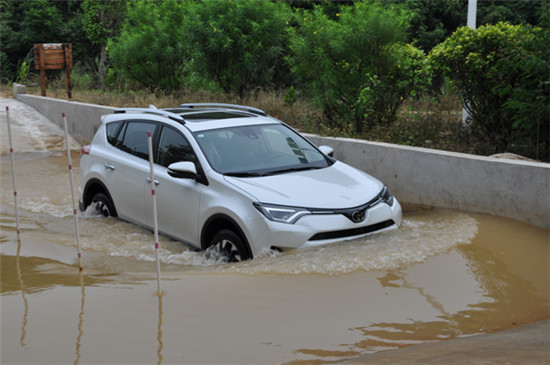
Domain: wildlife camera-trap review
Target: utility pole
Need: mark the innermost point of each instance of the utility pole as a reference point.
(472, 15)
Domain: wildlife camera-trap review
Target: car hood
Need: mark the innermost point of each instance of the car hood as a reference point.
(337, 186)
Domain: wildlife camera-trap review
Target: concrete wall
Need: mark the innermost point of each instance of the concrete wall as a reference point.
(82, 119)
(508, 188)
(515, 189)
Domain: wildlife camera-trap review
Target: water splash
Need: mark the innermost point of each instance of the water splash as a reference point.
(419, 238)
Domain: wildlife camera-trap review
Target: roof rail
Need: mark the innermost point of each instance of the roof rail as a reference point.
(228, 106)
(173, 116)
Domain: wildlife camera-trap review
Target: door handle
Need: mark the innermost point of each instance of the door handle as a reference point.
(149, 181)
(110, 166)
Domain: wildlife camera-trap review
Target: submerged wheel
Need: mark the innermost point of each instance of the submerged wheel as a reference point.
(104, 205)
(228, 244)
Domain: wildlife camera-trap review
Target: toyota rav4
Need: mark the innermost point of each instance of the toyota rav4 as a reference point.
(229, 177)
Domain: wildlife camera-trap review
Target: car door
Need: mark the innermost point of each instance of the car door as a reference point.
(177, 199)
(130, 171)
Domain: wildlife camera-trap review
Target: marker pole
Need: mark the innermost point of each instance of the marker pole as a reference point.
(13, 173)
(155, 219)
(75, 212)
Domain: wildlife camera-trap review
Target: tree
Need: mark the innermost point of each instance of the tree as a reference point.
(151, 48)
(502, 74)
(101, 21)
(433, 21)
(239, 44)
(351, 65)
(23, 24)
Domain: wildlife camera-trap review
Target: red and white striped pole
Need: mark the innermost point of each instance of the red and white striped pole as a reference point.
(13, 173)
(75, 212)
(155, 220)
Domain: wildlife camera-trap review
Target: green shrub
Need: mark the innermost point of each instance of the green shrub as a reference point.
(23, 72)
(502, 74)
(239, 44)
(528, 102)
(350, 65)
(404, 76)
(152, 49)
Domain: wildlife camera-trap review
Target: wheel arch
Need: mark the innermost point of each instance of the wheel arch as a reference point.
(94, 186)
(218, 222)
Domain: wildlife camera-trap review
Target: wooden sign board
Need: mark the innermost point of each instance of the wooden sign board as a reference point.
(53, 56)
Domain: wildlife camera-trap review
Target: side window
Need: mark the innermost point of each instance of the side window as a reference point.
(174, 147)
(134, 138)
(112, 130)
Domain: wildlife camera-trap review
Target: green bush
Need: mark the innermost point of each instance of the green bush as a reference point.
(350, 65)
(152, 49)
(239, 44)
(502, 74)
(528, 102)
(405, 75)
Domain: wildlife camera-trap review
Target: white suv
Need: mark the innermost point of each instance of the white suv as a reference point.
(229, 177)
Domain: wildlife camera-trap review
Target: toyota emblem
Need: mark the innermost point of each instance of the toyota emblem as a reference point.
(358, 216)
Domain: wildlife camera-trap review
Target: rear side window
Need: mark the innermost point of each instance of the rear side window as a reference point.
(133, 138)
(112, 132)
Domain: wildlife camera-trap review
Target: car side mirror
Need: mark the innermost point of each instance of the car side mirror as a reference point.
(183, 170)
(329, 151)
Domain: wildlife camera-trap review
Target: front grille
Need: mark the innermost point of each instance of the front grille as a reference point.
(352, 232)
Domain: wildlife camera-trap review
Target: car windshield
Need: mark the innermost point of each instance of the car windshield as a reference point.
(259, 150)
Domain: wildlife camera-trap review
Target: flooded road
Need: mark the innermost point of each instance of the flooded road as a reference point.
(443, 274)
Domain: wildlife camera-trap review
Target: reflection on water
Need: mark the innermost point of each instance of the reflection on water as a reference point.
(23, 297)
(80, 318)
(159, 329)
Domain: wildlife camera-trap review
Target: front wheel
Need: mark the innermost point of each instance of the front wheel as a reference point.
(103, 205)
(229, 246)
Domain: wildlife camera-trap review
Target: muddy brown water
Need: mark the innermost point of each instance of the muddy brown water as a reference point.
(443, 274)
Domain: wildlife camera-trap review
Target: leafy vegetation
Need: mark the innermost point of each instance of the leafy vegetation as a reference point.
(502, 74)
(432, 22)
(151, 49)
(356, 77)
(238, 44)
(101, 21)
(390, 71)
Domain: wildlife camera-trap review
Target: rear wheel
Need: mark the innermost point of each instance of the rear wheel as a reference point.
(229, 246)
(104, 205)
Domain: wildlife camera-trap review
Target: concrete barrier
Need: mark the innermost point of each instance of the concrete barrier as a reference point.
(82, 119)
(515, 189)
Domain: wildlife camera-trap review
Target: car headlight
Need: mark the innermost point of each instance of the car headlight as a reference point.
(386, 196)
(279, 213)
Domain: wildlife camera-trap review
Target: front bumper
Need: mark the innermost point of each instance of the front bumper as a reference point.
(318, 229)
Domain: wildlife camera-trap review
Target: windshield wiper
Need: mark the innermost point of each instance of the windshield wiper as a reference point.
(243, 174)
(293, 169)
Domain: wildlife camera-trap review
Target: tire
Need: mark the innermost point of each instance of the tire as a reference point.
(230, 246)
(104, 205)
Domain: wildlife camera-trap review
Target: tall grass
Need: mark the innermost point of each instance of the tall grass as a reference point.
(423, 122)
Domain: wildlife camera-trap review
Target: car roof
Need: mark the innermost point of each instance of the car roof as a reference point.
(207, 116)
